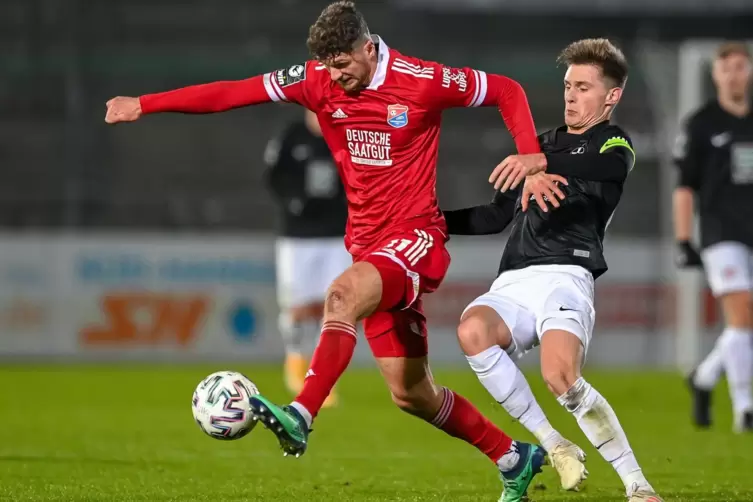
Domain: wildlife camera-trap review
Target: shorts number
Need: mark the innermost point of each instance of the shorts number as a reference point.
(412, 249)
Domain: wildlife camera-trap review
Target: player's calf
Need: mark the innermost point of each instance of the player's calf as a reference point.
(352, 296)
(561, 356)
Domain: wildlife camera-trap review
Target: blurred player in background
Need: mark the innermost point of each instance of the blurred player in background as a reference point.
(545, 290)
(380, 113)
(310, 249)
(715, 156)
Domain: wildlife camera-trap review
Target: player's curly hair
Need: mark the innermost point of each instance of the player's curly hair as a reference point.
(338, 30)
(598, 52)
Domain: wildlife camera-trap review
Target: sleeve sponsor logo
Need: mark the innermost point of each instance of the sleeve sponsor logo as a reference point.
(450, 75)
(290, 76)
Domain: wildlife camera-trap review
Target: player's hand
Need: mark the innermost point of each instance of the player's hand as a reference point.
(511, 171)
(122, 109)
(687, 256)
(544, 188)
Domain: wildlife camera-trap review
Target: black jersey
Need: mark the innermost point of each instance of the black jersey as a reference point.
(305, 181)
(714, 153)
(596, 165)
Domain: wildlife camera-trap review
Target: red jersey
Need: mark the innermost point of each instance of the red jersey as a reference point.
(384, 138)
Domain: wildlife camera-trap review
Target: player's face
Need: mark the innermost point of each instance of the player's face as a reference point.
(588, 96)
(352, 71)
(732, 76)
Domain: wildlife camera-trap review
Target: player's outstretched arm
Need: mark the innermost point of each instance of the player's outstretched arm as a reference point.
(611, 163)
(485, 219)
(280, 85)
(204, 98)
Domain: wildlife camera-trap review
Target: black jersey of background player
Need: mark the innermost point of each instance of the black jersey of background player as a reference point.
(305, 181)
(715, 156)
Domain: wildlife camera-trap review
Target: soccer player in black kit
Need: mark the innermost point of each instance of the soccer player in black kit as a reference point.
(544, 293)
(714, 154)
(310, 248)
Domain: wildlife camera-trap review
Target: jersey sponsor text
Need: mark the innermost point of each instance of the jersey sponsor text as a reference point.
(371, 148)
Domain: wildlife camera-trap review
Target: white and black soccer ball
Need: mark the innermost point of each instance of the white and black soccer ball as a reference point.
(221, 407)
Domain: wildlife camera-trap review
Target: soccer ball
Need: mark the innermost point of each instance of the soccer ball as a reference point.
(220, 405)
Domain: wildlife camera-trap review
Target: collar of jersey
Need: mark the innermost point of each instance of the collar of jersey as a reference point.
(584, 135)
(382, 62)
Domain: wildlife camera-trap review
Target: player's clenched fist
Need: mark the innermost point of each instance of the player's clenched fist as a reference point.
(123, 109)
(511, 171)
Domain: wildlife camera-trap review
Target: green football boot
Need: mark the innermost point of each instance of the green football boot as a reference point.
(517, 480)
(285, 422)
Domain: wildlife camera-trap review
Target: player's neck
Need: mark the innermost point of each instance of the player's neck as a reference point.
(736, 107)
(582, 128)
(373, 64)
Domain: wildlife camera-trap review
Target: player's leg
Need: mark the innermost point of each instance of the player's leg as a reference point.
(565, 321)
(334, 259)
(488, 344)
(398, 341)
(729, 271)
(299, 326)
(296, 292)
(353, 295)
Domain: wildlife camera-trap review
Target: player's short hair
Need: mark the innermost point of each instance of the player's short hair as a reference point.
(598, 52)
(733, 47)
(338, 30)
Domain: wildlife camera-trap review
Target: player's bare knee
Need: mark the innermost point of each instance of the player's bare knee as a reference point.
(477, 332)
(340, 301)
(474, 335)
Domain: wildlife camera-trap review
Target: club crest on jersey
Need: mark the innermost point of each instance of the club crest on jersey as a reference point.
(397, 115)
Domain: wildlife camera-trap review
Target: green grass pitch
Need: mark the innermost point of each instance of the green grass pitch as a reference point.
(125, 433)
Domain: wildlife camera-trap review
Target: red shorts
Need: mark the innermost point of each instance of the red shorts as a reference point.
(410, 264)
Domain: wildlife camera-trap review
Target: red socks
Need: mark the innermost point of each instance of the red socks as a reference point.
(459, 418)
(332, 355)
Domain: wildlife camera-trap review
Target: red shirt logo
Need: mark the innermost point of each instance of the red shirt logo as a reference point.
(397, 115)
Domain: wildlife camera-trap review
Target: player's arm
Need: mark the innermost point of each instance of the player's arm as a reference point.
(466, 87)
(611, 163)
(486, 219)
(688, 156)
(287, 85)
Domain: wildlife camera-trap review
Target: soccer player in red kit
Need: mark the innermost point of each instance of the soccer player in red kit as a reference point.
(380, 114)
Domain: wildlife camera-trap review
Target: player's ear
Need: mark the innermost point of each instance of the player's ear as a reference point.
(369, 47)
(613, 96)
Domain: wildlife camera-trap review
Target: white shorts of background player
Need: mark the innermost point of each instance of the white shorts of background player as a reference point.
(729, 267)
(306, 268)
(539, 298)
